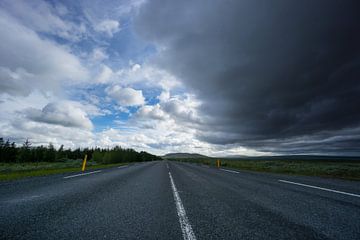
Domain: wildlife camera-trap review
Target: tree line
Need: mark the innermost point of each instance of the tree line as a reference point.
(11, 153)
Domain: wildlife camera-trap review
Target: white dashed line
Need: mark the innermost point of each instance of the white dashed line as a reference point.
(320, 188)
(228, 170)
(82, 174)
(186, 228)
(25, 199)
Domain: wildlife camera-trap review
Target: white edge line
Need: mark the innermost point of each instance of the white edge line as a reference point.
(123, 166)
(82, 174)
(186, 228)
(320, 188)
(228, 170)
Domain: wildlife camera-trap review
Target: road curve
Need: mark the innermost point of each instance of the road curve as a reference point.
(172, 200)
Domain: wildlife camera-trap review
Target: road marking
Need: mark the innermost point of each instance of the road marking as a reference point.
(228, 170)
(186, 228)
(82, 174)
(24, 199)
(123, 166)
(321, 188)
(167, 166)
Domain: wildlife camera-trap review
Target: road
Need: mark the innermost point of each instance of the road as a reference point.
(172, 200)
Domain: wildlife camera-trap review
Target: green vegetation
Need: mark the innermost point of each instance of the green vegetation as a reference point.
(332, 168)
(11, 171)
(25, 161)
(10, 153)
(117, 154)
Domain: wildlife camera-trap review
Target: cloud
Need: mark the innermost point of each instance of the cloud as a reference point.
(46, 118)
(266, 73)
(65, 113)
(110, 27)
(147, 76)
(167, 126)
(183, 108)
(245, 77)
(28, 62)
(40, 133)
(153, 130)
(105, 74)
(98, 55)
(44, 17)
(12, 82)
(180, 109)
(126, 96)
(153, 112)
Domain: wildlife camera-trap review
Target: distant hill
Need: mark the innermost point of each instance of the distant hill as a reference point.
(298, 157)
(184, 155)
(273, 157)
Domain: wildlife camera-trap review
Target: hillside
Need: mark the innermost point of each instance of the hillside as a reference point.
(183, 155)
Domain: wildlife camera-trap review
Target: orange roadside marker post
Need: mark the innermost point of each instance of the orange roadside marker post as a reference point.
(84, 163)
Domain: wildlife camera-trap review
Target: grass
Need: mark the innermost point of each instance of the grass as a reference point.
(349, 170)
(12, 171)
(333, 168)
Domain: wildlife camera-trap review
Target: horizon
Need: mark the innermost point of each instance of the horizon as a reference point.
(247, 78)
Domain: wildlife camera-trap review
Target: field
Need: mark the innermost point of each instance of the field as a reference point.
(12, 171)
(342, 169)
(346, 169)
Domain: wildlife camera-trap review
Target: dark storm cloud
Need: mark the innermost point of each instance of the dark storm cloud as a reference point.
(268, 72)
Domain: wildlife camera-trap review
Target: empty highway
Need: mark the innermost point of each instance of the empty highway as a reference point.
(172, 200)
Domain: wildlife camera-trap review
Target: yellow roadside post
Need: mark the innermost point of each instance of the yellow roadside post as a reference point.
(218, 163)
(84, 163)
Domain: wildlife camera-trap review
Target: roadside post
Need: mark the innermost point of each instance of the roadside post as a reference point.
(84, 163)
(218, 163)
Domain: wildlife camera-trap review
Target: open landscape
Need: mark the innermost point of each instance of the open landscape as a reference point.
(13, 171)
(28, 161)
(152, 119)
(321, 166)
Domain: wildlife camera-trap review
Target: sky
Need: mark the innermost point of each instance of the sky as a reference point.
(220, 78)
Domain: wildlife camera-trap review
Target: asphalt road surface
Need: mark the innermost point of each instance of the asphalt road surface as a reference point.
(171, 200)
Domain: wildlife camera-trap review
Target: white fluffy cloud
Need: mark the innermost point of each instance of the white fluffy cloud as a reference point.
(126, 96)
(184, 108)
(28, 62)
(105, 74)
(152, 112)
(162, 130)
(164, 136)
(108, 26)
(59, 122)
(44, 17)
(40, 133)
(172, 125)
(64, 113)
(180, 108)
(147, 76)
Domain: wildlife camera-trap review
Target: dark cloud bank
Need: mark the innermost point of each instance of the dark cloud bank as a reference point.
(279, 76)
